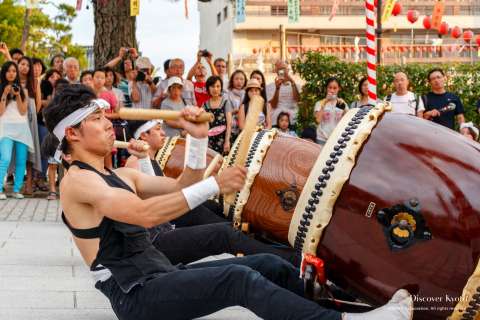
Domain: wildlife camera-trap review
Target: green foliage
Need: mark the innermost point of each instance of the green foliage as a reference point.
(315, 69)
(47, 36)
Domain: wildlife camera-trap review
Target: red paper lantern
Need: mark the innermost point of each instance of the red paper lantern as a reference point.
(254, 51)
(412, 15)
(397, 9)
(456, 32)
(444, 28)
(467, 36)
(477, 40)
(427, 22)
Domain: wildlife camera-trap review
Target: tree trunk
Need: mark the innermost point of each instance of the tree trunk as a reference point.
(114, 28)
(26, 29)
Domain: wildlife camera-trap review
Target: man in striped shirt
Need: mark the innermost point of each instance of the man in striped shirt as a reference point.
(142, 88)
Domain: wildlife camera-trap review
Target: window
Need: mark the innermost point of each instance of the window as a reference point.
(219, 18)
(225, 13)
(278, 10)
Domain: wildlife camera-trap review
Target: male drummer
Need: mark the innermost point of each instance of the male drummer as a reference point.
(108, 213)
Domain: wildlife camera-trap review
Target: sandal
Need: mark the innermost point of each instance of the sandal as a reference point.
(40, 185)
(52, 196)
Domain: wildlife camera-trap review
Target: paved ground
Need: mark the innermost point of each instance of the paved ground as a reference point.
(42, 276)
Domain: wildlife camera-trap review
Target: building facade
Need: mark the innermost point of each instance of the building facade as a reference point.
(258, 38)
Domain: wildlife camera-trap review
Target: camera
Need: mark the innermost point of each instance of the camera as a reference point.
(15, 87)
(205, 53)
(140, 76)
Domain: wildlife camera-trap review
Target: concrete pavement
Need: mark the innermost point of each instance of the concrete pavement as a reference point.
(42, 276)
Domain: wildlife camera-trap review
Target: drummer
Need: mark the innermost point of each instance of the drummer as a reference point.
(108, 212)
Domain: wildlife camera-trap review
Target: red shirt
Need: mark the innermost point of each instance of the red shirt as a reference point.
(201, 94)
(110, 97)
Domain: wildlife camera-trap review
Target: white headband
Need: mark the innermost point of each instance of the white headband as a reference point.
(75, 118)
(145, 127)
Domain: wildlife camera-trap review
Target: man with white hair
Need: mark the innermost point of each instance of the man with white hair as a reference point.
(402, 100)
(71, 67)
(176, 68)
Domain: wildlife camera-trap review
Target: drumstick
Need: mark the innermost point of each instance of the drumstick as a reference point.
(218, 158)
(254, 109)
(124, 145)
(152, 114)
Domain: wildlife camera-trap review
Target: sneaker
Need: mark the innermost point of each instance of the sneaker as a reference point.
(3, 196)
(400, 307)
(17, 195)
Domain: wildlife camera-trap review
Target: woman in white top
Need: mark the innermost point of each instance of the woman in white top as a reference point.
(329, 111)
(14, 128)
(265, 119)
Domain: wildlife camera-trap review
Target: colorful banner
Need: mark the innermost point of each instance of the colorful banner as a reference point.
(31, 4)
(240, 11)
(79, 5)
(437, 15)
(134, 8)
(333, 13)
(293, 11)
(387, 12)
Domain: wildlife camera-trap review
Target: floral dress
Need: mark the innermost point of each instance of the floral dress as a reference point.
(218, 128)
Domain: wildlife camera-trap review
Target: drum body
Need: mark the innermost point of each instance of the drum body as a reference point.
(175, 163)
(405, 160)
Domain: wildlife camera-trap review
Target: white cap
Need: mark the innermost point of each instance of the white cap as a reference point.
(174, 80)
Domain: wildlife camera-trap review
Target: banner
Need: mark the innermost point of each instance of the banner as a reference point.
(333, 13)
(387, 12)
(240, 14)
(293, 11)
(134, 8)
(31, 4)
(79, 5)
(437, 15)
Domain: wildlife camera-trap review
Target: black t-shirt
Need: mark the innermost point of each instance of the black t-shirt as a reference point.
(46, 89)
(438, 101)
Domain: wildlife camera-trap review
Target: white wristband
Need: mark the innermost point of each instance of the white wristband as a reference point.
(196, 153)
(198, 193)
(145, 166)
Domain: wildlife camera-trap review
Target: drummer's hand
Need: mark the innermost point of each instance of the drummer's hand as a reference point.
(232, 179)
(137, 148)
(196, 130)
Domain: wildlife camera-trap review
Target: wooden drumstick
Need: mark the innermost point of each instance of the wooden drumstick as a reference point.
(254, 109)
(152, 114)
(124, 145)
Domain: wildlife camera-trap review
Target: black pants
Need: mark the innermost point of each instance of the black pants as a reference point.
(185, 245)
(208, 212)
(265, 284)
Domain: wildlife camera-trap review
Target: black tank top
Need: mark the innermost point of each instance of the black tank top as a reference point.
(125, 249)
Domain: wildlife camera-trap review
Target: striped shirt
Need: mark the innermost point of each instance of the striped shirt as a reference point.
(145, 95)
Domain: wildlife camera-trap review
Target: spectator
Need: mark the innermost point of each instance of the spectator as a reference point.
(173, 101)
(34, 104)
(99, 76)
(86, 78)
(259, 76)
(46, 88)
(284, 93)
(221, 67)
(141, 88)
(176, 69)
(111, 81)
(71, 68)
(363, 92)
(15, 132)
(442, 107)
(254, 88)
(283, 124)
(128, 75)
(402, 100)
(236, 94)
(221, 128)
(329, 111)
(161, 92)
(469, 130)
(57, 63)
(200, 72)
(38, 67)
(16, 54)
(309, 134)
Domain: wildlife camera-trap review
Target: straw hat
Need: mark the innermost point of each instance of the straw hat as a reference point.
(253, 83)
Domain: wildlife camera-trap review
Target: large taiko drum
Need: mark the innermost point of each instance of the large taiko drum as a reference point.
(171, 158)
(391, 201)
